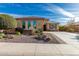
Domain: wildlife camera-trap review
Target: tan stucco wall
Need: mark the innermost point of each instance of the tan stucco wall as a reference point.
(20, 23)
(39, 22)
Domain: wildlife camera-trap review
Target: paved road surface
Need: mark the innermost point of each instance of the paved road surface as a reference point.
(34, 49)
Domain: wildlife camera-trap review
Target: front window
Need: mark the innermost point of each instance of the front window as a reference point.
(29, 24)
(23, 24)
(34, 24)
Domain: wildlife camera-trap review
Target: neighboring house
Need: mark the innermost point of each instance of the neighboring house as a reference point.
(30, 23)
(53, 26)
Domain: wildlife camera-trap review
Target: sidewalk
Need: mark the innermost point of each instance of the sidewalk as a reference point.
(29, 49)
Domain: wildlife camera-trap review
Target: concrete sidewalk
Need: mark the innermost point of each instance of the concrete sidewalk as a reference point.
(30, 49)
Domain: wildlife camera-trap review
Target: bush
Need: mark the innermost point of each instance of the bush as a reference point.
(62, 28)
(2, 35)
(9, 36)
(70, 30)
(34, 31)
(19, 30)
(7, 21)
(18, 33)
(39, 31)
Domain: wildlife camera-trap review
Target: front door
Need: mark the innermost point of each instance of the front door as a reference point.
(44, 27)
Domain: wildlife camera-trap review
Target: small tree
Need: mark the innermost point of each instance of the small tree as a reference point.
(62, 28)
(7, 21)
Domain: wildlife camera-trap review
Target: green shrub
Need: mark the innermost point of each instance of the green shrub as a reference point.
(18, 33)
(2, 35)
(39, 32)
(70, 30)
(7, 21)
(62, 28)
(19, 30)
(34, 31)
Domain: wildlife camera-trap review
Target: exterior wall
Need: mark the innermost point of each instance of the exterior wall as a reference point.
(31, 27)
(19, 23)
(26, 25)
(39, 22)
(48, 27)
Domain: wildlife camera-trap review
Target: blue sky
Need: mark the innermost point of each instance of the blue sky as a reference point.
(58, 12)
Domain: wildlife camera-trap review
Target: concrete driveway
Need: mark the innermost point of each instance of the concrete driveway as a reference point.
(67, 37)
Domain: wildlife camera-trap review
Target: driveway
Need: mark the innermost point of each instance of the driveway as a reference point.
(67, 37)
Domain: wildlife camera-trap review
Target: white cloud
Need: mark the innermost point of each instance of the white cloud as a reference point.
(77, 19)
(64, 19)
(56, 9)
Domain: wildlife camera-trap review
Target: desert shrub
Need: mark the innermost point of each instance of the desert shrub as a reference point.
(9, 36)
(34, 31)
(70, 30)
(19, 30)
(7, 21)
(18, 33)
(2, 35)
(62, 28)
(39, 32)
(41, 36)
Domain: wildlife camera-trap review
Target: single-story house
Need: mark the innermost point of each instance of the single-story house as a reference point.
(30, 23)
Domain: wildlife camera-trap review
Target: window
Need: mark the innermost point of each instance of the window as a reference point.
(34, 23)
(23, 24)
(29, 24)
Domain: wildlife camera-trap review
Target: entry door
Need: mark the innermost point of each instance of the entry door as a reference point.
(44, 27)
